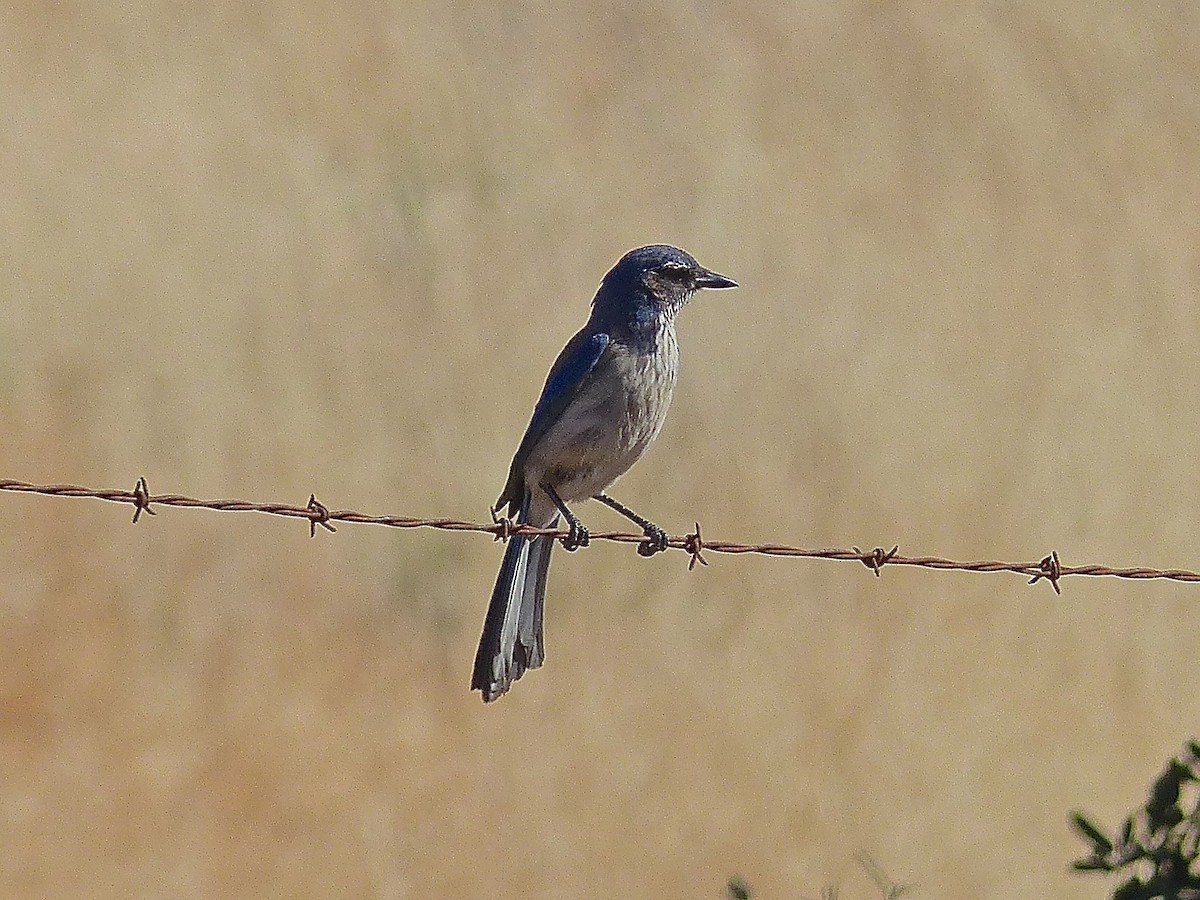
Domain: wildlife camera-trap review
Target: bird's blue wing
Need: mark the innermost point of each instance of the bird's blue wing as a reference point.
(574, 364)
(576, 360)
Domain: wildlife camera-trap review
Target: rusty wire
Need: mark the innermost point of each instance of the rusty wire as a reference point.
(317, 514)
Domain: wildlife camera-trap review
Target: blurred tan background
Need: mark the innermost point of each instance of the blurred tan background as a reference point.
(258, 250)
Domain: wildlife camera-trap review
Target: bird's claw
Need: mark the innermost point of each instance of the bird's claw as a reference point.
(577, 536)
(655, 542)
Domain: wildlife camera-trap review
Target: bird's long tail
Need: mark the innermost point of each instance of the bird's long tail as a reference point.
(512, 631)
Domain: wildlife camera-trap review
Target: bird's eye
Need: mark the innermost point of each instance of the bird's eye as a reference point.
(674, 270)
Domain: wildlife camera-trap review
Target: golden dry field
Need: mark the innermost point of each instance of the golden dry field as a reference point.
(265, 249)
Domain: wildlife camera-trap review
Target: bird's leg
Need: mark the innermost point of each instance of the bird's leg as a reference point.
(656, 538)
(577, 534)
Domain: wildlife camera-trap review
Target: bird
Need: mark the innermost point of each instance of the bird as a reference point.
(603, 403)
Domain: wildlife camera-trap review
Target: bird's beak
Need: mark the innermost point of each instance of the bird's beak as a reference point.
(707, 279)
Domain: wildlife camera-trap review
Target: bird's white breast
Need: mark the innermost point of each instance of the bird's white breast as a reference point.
(611, 421)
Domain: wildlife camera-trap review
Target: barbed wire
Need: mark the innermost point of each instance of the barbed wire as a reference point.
(502, 528)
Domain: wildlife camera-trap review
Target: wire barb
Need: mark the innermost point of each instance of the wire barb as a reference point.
(1051, 570)
(320, 516)
(504, 526)
(877, 558)
(693, 544)
(141, 500)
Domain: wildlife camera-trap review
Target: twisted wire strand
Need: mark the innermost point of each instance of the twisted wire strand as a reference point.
(1049, 568)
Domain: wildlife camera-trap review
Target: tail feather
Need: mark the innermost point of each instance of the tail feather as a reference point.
(529, 628)
(512, 629)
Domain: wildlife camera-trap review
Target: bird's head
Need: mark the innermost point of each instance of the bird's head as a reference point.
(658, 279)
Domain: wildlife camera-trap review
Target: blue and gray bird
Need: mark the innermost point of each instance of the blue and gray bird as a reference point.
(604, 401)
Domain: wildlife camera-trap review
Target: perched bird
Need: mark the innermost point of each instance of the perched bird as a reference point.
(604, 401)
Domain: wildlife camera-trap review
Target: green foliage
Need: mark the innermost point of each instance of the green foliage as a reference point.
(1157, 845)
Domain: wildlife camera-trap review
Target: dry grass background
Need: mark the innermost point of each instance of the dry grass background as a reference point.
(266, 249)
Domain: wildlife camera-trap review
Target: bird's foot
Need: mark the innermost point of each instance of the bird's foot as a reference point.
(577, 536)
(655, 542)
